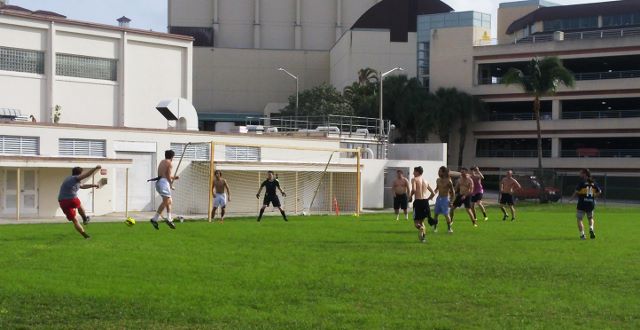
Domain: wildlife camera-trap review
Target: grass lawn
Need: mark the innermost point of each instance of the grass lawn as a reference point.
(326, 272)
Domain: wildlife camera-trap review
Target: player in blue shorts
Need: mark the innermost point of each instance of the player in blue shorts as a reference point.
(444, 188)
(587, 191)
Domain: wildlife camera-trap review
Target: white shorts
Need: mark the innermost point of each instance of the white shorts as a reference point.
(220, 200)
(163, 187)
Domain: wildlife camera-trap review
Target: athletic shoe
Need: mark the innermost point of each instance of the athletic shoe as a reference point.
(87, 237)
(486, 218)
(86, 221)
(582, 237)
(592, 234)
(155, 224)
(170, 224)
(513, 219)
(475, 225)
(504, 218)
(435, 229)
(450, 231)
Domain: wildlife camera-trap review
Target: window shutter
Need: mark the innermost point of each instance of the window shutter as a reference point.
(80, 147)
(19, 145)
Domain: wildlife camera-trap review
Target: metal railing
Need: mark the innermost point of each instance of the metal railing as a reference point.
(342, 126)
(601, 114)
(584, 35)
(601, 153)
(582, 76)
(512, 153)
(507, 116)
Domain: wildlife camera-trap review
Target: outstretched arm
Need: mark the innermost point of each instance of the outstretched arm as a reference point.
(89, 173)
(89, 186)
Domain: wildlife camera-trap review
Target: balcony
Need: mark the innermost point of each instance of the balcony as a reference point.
(511, 153)
(601, 114)
(506, 116)
(583, 35)
(600, 153)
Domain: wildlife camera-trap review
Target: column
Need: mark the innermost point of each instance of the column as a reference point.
(338, 19)
(122, 59)
(50, 73)
(298, 26)
(256, 25)
(555, 147)
(556, 109)
(216, 23)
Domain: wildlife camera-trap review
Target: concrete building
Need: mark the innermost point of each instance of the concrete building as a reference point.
(240, 44)
(93, 74)
(593, 125)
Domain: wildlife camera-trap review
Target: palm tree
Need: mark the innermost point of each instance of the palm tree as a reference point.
(367, 76)
(540, 78)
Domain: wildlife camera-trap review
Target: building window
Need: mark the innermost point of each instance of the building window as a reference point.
(86, 67)
(202, 36)
(81, 147)
(247, 154)
(569, 24)
(195, 151)
(621, 20)
(21, 60)
(19, 145)
(512, 148)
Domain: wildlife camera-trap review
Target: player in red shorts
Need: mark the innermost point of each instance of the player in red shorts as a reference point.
(68, 196)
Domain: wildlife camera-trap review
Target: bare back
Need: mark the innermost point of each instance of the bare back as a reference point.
(508, 185)
(444, 187)
(419, 187)
(400, 186)
(164, 169)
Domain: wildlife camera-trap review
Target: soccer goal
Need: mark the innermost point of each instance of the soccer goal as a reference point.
(315, 180)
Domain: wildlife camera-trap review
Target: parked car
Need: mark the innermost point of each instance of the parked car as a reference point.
(532, 189)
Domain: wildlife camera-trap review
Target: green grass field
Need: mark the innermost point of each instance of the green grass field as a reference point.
(326, 272)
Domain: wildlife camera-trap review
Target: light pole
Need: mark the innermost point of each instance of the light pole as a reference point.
(381, 80)
(297, 88)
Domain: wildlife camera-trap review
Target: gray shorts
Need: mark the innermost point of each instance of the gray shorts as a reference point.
(580, 214)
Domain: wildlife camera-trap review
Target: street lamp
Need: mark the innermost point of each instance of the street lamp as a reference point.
(381, 80)
(297, 88)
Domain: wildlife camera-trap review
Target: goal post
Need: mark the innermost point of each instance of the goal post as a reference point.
(316, 180)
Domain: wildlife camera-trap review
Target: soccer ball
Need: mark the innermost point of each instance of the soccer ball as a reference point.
(130, 221)
(304, 213)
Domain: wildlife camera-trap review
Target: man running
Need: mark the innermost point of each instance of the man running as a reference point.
(478, 191)
(421, 204)
(270, 197)
(220, 198)
(68, 197)
(508, 185)
(164, 186)
(465, 192)
(401, 193)
(444, 188)
(587, 191)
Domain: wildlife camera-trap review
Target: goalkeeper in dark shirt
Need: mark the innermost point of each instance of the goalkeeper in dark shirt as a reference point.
(270, 197)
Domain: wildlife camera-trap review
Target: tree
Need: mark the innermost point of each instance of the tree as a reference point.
(362, 94)
(540, 78)
(450, 107)
(319, 101)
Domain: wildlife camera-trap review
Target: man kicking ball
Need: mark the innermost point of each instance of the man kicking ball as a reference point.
(220, 197)
(164, 186)
(68, 197)
(401, 193)
(270, 197)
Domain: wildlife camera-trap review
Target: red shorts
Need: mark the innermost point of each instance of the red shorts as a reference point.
(69, 207)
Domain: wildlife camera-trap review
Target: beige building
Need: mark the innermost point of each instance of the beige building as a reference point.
(240, 44)
(593, 125)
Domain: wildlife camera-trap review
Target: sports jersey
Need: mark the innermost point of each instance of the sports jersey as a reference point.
(270, 187)
(69, 188)
(587, 191)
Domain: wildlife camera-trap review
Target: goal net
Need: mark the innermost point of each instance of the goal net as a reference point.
(315, 180)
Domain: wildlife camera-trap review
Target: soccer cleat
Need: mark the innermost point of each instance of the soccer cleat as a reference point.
(592, 234)
(486, 218)
(170, 224)
(450, 231)
(582, 237)
(504, 218)
(513, 219)
(475, 225)
(155, 224)
(86, 221)
(435, 229)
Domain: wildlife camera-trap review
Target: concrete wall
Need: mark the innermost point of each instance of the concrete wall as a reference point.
(246, 80)
(508, 15)
(150, 69)
(358, 49)
(270, 24)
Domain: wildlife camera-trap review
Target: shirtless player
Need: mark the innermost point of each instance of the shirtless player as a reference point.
(421, 204)
(401, 193)
(164, 186)
(220, 199)
(444, 188)
(465, 192)
(508, 185)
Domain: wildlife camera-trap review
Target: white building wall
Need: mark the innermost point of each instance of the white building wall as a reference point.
(32, 97)
(87, 45)
(359, 49)
(86, 102)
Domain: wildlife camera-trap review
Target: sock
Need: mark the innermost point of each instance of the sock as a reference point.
(582, 233)
(155, 217)
(484, 214)
(397, 217)
(261, 213)
(406, 216)
(591, 228)
(284, 216)
(449, 226)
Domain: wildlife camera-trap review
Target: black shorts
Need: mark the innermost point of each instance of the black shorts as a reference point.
(274, 200)
(506, 199)
(421, 210)
(586, 207)
(400, 202)
(459, 201)
(476, 198)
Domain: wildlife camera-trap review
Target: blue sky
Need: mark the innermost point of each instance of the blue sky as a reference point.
(152, 14)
